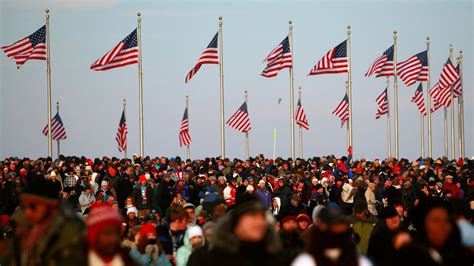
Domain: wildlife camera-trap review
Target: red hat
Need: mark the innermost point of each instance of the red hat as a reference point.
(112, 171)
(303, 216)
(100, 216)
(288, 218)
(23, 172)
(12, 166)
(142, 178)
(148, 228)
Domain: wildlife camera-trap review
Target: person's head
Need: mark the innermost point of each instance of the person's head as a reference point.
(148, 231)
(190, 211)
(142, 180)
(303, 221)
(250, 223)
(129, 201)
(449, 179)
(132, 213)
(289, 224)
(104, 185)
(195, 236)
(372, 186)
(391, 218)
(433, 220)
(104, 230)
(261, 184)
(276, 202)
(178, 218)
(38, 201)
(208, 230)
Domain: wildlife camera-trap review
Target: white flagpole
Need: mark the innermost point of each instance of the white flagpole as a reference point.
(395, 91)
(59, 147)
(246, 133)
(48, 72)
(453, 142)
(292, 93)
(140, 84)
(124, 110)
(188, 149)
(428, 94)
(221, 77)
(349, 84)
(274, 143)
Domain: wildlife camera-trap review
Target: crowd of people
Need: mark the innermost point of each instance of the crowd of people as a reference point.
(216, 211)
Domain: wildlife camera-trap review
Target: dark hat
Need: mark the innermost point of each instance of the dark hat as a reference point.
(40, 189)
(389, 212)
(296, 197)
(332, 215)
(249, 203)
(288, 218)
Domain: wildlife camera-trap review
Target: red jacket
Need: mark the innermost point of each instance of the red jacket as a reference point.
(454, 190)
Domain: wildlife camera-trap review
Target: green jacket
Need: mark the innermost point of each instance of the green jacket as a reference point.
(63, 243)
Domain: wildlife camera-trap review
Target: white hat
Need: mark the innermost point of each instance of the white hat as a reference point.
(104, 183)
(250, 188)
(194, 231)
(88, 168)
(147, 176)
(261, 182)
(52, 173)
(132, 209)
(324, 180)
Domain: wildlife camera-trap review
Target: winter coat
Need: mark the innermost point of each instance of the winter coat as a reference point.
(138, 198)
(61, 244)
(85, 200)
(183, 253)
(370, 198)
(228, 250)
(265, 197)
(229, 195)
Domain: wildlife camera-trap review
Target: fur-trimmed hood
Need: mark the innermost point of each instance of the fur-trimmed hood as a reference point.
(225, 239)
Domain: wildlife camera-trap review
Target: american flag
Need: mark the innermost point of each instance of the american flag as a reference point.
(382, 66)
(278, 59)
(342, 110)
(382, 102)
(58, 132)
(419, 100)
(122, 131)
(414, 69)
(441, 97)
(240, 121)
(209, 56)
(335, 61)
(184, 137)
(449, 75)
(300, 117)
(123, 54)
(457, 88)
(32, 47)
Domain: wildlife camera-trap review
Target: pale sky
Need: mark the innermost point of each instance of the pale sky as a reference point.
(174, 34)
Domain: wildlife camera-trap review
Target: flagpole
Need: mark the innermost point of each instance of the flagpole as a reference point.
(48, 72)
(246, 133)
(274, 143)
(422, 119)
(124, 110)
(349, 88)
(347, 123)
(140, 84)
(461, 109)
(188, 150)
(292, 93)
(453, 142)
(428, 90)
(301, 129)
(395, 91)
(389, 137)
(221, 77)
(59, 147)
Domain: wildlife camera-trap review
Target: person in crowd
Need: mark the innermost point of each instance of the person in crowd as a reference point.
(193, 240)
(143, 197)
(48, 231)
(200, 254)
(371, 199)
(244, 237)
(171, 235)
(146, 250)
(438, 239)
(380, 248)
(86, 199)
(104, 237)
(330, 242)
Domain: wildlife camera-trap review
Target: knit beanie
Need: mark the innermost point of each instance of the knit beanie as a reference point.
(100, 216)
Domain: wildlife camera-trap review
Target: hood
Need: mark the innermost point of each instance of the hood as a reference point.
(278, 200)
(225, 240)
